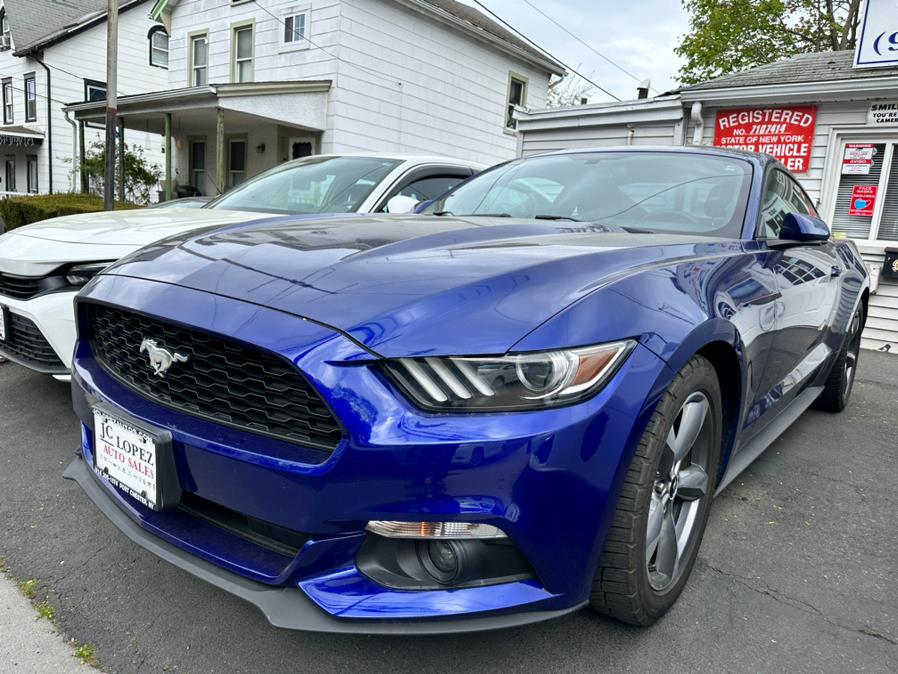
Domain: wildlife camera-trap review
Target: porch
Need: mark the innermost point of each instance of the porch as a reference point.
(218, 135)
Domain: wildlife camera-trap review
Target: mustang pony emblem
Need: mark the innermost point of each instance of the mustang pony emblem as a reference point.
(160, 359)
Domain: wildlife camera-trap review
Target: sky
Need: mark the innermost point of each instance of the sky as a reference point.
(639, 35)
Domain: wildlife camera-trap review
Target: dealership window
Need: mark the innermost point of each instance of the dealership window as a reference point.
(517, 95)
(199, 60)
(94, 91)
(865, 205)
(295, 29)
(158, 47)
(242, 54)
(32, 173)
(8, 111)
(30, 98)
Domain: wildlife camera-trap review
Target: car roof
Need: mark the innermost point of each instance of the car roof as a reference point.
(754, 157)
(408, 158)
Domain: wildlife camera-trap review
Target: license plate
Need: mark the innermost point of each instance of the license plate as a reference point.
(3, 320)
(126, 456)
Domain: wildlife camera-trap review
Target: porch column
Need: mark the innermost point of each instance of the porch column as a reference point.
(220, 165)
(85, 183)
(168, 158)
(121, 159)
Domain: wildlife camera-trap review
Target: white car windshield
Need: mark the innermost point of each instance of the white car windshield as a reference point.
(311, 185)
(671, 192)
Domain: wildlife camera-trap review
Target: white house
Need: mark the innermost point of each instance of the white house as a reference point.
(53, 52)
(252, 83)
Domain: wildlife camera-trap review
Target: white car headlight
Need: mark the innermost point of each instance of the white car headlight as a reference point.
(506, 383)
(80, 274)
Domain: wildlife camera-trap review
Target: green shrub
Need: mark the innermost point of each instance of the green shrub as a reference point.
(20, 211)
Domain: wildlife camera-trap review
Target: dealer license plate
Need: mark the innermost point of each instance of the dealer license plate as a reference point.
(126, 456)
(2, 323)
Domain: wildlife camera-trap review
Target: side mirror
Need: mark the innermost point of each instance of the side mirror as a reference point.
(798, 227)
(401, 204)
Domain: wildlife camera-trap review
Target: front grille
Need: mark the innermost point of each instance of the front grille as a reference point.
(26, 344)
(222, 380)
(19, 287)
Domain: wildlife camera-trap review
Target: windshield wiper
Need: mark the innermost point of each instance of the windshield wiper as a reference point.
(555, 217)
(442, 213)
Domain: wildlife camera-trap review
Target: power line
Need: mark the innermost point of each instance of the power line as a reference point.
(391, 80)
(545, 51)
(587, 45)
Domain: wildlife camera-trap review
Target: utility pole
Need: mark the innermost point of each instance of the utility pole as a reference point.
(111, 104)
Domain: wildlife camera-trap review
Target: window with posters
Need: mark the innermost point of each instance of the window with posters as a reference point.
(866, 199)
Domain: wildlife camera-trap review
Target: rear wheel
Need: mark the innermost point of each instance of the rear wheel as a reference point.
(837, 390)
(665, 501)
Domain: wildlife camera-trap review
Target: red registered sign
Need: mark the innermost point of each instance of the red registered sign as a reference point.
(785, 133)
(863, 200)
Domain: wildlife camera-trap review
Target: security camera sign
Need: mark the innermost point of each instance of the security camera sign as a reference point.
(858, 158)
(785, 133)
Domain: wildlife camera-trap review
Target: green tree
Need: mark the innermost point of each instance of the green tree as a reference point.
(726, 36)
(140, 176)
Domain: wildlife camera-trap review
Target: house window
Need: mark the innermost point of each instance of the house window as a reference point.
(236, 162)
(158, 47)
(32, 173)
(517, 95)
(5, 37)
(242, 50)
(197, 164)
(94, 91)
(295, 27)
(199, 60)
(10, 173)
(30, 98)
(8, 112)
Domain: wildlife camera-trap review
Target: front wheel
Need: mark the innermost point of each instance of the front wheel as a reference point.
(664, 504)
(837, 390)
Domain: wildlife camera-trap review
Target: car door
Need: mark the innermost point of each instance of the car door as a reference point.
(807, 276)
(424, 183)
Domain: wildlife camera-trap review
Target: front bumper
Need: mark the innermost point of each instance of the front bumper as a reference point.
(53, 318)
(549, 479)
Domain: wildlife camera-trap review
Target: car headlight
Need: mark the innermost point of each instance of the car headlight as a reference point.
(506, 383)
(80, 274)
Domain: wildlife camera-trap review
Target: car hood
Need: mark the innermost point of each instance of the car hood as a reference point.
(38, 249)
(415, 285)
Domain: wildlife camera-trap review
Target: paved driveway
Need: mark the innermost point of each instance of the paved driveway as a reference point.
(798, 571)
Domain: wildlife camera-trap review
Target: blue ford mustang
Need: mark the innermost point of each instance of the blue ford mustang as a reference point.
(517, 404)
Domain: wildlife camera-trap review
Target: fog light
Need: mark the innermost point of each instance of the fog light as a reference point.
(443, 557)
(427, 530)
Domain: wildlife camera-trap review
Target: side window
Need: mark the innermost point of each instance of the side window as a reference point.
(782, 195)
(424, 189)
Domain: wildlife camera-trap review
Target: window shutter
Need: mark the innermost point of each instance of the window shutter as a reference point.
(856, 226)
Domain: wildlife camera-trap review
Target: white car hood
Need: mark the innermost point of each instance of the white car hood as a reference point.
(38, 249)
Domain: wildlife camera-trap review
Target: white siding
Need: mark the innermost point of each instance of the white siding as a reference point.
(82, 56)
(586, 136)
(425, 87)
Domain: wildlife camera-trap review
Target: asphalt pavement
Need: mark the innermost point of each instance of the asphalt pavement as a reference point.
(798, 571)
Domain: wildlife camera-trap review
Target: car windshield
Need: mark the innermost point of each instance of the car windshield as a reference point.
(669, 192)
(311, 185)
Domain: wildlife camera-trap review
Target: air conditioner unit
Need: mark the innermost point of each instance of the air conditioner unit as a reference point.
(5, 42)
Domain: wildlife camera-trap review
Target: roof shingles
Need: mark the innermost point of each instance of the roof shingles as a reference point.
(817, 67)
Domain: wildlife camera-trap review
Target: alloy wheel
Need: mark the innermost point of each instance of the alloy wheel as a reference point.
(851, 356)
(681, 486)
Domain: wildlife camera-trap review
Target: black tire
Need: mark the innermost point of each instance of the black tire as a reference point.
(837, 390)
(622, 588)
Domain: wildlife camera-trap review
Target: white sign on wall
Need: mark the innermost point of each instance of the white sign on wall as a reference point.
(884, 113)
(877, 43)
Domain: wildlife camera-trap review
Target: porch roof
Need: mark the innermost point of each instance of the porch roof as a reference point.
(22, 136)
(271, 100)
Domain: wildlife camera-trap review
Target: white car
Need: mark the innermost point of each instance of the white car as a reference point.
(43, 266)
